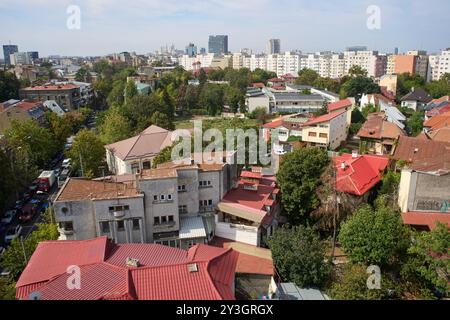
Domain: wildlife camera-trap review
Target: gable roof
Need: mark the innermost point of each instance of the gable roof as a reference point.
(339, 105)
(148, 143)
(442, 135)
(324, 118)
(417, 94)
(424, 155)
(358, 175)
(376, 127)
(439, 121)
(163, 273)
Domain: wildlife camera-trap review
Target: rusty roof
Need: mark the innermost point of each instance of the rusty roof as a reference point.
(76, 189)
(376, 127)
(424, 155)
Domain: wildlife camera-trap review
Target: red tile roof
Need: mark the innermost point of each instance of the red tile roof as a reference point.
(428, 219)
(163, 273)
(275, 80)
(251, 175)
(339, 105)
(376, 127)
(65, 86)
(273, 124)
(258, 85)
(325, 118)
(360, 174)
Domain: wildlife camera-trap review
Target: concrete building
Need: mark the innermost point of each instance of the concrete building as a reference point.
(8, 50)
(377, 135)
(274, 46)
(20, 58)
(249, 212)
(417, 99)
(69, 96)
(439, 65)
(327, 131)
(199, 61)
(218, 44)
(423, 191)
(16, 110)
(367, 60)
(132, 155)
(191, 50)
(171, 205)
(390, 82)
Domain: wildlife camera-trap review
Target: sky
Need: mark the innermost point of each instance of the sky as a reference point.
(109, 26)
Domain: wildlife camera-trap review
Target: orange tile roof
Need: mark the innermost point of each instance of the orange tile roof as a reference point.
(428, 219)
(376, 127)
(439, 121)
(339, 105)
(66, 86)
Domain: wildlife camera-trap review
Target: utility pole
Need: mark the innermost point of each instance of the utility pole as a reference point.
(81, 163)
(335, 212)
(23, 249)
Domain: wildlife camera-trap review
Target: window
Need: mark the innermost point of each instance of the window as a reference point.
(182, 209)
(204, 184)
(156, 221)
(169, 197)
(163, 219)
(323, 135)
(120, 226)
(155, 198)
(182, 188)
(104, 227)
(66, 225)
(162, 197)
(119, 208)
(135, 168)
(312, 134)
(209, 202)
(136, 224)
(146, 165)
(170, 218)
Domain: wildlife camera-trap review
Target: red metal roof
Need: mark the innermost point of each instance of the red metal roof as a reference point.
(163, 273)
(275, 80)
(251, 175)
(339, 105)
(428, 219)
(360, 174)
(274, 124)
(325, 118)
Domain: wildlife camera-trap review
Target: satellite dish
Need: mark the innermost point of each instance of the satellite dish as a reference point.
(36, 295)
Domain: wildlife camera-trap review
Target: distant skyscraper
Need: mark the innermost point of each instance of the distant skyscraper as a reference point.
(8, 50)
(396, 51)
(356, 48)
(218, 44)
(273, 46)
(191, 50)
(34, 55)
(202, 50)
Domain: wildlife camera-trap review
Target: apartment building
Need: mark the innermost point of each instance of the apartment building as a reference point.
(191, 63)
(327, 131)
(374, 64)
(249, 212)
(16, 110)
(439, 65)
(69, 95)
(171, 205)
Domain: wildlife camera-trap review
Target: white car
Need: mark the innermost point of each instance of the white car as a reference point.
(9, 217)
(2, 251)
(12, 233)
(66, 163)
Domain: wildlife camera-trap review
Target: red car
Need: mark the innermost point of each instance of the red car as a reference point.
(28, 212)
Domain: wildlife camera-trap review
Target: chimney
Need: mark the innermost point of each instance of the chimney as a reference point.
(193, 267)
(132, 263)
(355, 154)
(343, 165)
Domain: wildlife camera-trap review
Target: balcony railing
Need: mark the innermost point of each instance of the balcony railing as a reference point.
(207, 209)
(162, 201)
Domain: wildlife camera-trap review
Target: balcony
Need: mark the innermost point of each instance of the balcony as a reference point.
(65, 232)
(162, 201)
(162, 227)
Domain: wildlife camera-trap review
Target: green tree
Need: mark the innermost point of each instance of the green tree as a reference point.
(211, 98)
(9, 86)
(357, 71)
(83, 75)
(415, 122)
(7, 289)
(389, 186)
(164, 156)
(299, 256)
(130, 90)
(18, 254)
(260, 75)
(138, 110)
(407, 81)
(115, 127)
(298, 177)
(357, 86)
(374, 236)
(168, 107)
(60, 127)
(260, 114)
(352, 285)
(233, 96)
(439, 88)
(87, 153)
(307, 77)
(161, 120)
(428, 262)
(29, 136)
(116, 94)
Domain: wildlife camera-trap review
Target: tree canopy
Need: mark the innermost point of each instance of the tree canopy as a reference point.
(298, 177)
(299, 256)
(87, 153)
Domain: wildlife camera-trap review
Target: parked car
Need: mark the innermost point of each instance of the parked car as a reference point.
(19, 204)
(9, 216)
(66, 163)
(28, 211)
(12, 233)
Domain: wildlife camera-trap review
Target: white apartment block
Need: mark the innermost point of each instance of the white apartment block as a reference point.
(188, 62)
(367, 60)
(438, 65)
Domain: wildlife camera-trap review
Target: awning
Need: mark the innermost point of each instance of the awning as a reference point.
(241, 212)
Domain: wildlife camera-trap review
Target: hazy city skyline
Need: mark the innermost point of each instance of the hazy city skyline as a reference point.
(109, 26)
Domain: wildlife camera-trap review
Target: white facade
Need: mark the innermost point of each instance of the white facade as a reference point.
(188, 62)
(327, 134)
(438, 65)
(365, 59)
